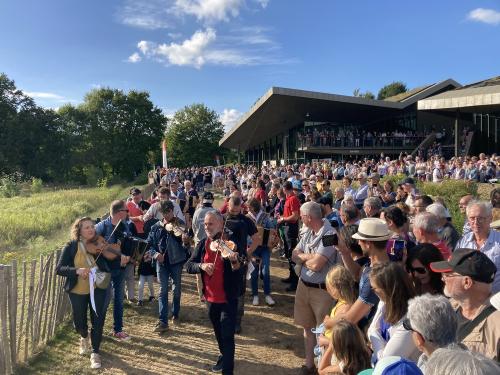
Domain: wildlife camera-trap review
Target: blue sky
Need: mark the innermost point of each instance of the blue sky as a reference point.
(227, 53)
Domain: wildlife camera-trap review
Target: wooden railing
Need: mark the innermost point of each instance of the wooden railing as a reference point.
(32, 305)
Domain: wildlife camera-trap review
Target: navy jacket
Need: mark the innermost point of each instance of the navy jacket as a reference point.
(161, 241)
(66, 265)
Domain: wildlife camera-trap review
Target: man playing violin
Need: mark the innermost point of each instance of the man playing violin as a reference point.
(106, 228)
(221, 278)
(169, 247)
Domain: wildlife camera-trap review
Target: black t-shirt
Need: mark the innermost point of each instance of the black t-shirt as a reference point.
(241, 227)
(207, 178)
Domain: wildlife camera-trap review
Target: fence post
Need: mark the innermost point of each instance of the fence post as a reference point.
(13, 311)
(30, 310)
(4, 293)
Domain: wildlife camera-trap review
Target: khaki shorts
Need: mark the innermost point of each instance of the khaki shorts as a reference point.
(311, 306)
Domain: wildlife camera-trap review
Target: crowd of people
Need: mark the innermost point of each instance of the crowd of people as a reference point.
(383, 279)
(353, 137)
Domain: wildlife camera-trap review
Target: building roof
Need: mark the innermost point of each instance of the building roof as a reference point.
(406, 95)
(479, 96)
(280, 109)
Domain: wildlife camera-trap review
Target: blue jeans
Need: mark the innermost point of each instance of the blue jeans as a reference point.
(165, 272)
(265, 254)
(116, 290)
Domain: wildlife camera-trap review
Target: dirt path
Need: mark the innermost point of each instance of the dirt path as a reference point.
(269, 344)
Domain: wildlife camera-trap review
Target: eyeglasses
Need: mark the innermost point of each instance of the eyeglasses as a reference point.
(479, 219)
(419, 270)
(124, 210)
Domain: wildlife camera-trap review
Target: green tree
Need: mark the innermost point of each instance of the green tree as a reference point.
(193, 136)
(119, 129)
(394, 88)
(367, 94)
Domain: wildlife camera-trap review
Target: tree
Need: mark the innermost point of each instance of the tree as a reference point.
(394, 88)
(366, 95)
(193, 136)
(119, 129)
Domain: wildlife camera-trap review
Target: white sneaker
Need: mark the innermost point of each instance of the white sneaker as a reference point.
(84, 345)
(255, 301)
(95, 361)
(269, 300)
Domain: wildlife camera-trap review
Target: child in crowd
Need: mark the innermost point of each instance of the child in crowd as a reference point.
(342, 287)
(146, 272)
(347, 352)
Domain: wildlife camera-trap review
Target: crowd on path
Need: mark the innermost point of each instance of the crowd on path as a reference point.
(383, 279)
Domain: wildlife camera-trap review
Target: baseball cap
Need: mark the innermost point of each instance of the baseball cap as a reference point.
(468, 262)
(409, 180)
(393, 365)
(208, 197)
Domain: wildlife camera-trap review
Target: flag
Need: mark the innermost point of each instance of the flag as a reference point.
(164, 153)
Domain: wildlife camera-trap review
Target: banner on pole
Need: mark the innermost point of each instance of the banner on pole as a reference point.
(164, 153)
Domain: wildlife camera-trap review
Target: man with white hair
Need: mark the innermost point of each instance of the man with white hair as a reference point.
(372, 207)
(312, 301)
(468, 277)
(455, 361)
(447, 231)
(433, 322)
(482, 237)
(425, 229)
(362, 193)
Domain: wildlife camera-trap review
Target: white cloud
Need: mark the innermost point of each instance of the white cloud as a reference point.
(488, 16)
(134, 58)
(150, 14)
(43, 95)
(263, 3)
(230, 117)
(204, 47)
(208, 10)
(190, 52)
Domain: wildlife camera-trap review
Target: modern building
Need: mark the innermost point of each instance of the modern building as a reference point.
(288, 125)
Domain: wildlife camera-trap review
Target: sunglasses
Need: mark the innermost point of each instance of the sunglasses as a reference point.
(419, 270)
(124, 210)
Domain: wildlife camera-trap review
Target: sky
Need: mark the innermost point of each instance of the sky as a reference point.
(228, 53)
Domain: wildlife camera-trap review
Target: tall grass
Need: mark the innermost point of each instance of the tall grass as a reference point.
(26, 222)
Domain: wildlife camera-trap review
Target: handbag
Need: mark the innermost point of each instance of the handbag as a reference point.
(102, 279)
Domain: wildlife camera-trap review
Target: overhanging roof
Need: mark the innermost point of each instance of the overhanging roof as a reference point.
(280, 109)
(480, 96)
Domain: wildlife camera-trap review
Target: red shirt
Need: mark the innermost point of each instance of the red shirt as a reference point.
(134, 210)
(292, 204)
(260, 195)
(214, 285)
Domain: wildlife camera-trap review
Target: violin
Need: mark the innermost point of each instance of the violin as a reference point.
(99, 246)
(226, 249)
(177, 229)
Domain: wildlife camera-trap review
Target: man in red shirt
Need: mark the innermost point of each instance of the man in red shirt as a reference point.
(221, 285)
(290, 223)
(425, 229)
(135, 212)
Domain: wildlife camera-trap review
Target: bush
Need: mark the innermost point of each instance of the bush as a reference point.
(36, 185)
(9, 187)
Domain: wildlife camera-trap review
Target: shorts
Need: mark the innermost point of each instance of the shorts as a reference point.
(311, 306)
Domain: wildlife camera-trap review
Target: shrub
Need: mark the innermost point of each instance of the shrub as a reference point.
(9, 187)
(36, 185)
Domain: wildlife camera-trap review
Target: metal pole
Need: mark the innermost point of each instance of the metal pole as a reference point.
(457, 115)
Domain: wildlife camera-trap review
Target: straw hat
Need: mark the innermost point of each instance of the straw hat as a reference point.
(372, 229)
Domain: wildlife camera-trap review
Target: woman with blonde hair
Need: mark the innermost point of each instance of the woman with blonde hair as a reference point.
(77, 264)
(347, 353)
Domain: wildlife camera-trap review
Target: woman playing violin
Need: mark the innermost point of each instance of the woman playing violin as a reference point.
(221, 276)
(75, 264)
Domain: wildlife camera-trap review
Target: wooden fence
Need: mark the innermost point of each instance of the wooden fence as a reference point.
(32, 305)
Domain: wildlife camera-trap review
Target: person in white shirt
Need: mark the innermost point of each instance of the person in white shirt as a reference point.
(154, 210)
(386, 333)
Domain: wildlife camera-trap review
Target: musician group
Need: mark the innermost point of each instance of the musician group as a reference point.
(174, 231)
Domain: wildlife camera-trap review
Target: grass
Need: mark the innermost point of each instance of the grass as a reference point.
(38, 224)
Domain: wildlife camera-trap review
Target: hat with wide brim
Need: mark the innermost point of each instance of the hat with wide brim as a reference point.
(495, 224)
(372, 229)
